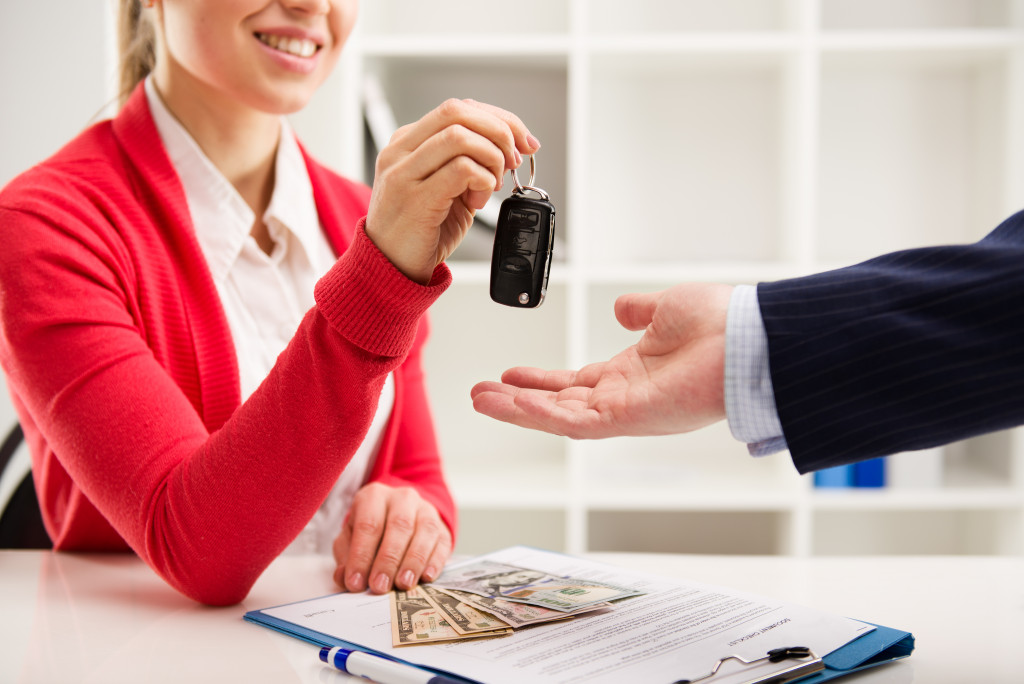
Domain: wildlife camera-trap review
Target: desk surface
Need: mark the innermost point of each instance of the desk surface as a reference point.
(108, 618)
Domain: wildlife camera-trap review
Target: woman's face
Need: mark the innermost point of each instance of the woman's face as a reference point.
(270, 55)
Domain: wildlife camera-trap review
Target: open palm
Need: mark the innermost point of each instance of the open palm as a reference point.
(671, 381)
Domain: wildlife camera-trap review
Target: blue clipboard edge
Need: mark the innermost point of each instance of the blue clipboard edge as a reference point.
(877, 647)
(319, 639)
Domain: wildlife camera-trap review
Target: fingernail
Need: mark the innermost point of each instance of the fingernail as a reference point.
(381, 583)
(355, 582)
(408, 579)
(519, 157)
(534, 143)
(429, 575)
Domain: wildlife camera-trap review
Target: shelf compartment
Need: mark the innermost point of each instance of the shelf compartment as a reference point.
(921, 137)
(919, 532)
(685, 158)
(685, 16)
(484, 530)
(885, 15)
(902, 500)
(703, 469)
(705, 532)
(485, 480)
(463, 17)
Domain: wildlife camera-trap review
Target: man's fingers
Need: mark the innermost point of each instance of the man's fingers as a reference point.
(636, 311)
(566, 413)
(538, 378)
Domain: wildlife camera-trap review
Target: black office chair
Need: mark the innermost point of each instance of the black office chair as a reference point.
(21, 523)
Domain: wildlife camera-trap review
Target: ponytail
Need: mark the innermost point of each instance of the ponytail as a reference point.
(136, 48)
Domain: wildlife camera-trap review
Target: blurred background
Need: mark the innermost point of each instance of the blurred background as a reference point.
(723, 140)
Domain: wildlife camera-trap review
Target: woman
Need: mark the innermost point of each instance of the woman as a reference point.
(185, 389)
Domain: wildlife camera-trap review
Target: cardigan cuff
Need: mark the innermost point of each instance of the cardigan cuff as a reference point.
(373, 304)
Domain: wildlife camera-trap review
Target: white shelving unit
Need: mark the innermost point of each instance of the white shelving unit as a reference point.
(734, 141)
(720, 140)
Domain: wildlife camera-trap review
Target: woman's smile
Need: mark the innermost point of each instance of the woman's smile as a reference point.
(298, 47)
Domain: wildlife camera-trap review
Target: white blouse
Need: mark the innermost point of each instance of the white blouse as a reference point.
(266, 296)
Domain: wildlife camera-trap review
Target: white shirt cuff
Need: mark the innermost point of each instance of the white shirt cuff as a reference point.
(749, 397)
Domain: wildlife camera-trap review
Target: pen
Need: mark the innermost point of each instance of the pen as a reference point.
(380, 669)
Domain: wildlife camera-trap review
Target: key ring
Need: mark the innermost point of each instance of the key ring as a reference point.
(529, 187)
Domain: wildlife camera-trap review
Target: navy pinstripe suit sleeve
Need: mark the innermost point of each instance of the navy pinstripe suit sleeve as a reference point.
(906, 351)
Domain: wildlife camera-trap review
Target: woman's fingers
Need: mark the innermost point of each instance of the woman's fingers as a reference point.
(504, 129)
(427, 551)
(434, 174)
(365, 528)
(392, 537)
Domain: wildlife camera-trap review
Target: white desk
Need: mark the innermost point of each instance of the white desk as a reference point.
(108, 618)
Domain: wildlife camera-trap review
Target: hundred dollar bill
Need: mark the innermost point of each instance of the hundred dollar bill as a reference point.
(515, 614)
(524, 585)
(568, 594)
(415, 621)
(462, 616)
(487, 578)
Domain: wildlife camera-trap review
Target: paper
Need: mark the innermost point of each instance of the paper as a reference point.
(677, 630)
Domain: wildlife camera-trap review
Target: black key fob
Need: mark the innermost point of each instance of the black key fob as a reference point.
(522, 249)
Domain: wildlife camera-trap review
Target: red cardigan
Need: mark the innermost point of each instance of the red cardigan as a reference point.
(124, 376)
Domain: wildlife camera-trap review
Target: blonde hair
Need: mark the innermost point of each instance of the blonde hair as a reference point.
(135, 45)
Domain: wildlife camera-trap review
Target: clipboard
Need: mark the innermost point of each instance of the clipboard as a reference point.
(320, 640)
(650, 650)
(881, 645)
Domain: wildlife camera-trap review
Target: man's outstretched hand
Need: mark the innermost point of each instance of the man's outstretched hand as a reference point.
(671, 381)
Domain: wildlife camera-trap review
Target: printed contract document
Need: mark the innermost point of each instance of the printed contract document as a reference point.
(674, 630)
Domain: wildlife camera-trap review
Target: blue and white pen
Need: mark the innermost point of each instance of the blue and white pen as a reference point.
(380, 669)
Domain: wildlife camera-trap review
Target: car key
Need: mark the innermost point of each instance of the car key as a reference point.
(523, 239)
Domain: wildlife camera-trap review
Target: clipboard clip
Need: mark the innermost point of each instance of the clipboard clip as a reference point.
(776, 655)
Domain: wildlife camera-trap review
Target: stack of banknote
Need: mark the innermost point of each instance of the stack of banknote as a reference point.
(488, 599)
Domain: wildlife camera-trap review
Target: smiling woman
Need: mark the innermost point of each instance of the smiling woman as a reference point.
(213, 342)
(300, 47)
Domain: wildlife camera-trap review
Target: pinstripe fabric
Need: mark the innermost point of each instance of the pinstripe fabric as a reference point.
(906, 351)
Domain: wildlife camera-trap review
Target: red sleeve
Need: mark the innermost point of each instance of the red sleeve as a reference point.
(410, 456)
(208, 511)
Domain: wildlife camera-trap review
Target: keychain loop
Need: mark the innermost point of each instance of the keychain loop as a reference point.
(520, 189)
(533, 174)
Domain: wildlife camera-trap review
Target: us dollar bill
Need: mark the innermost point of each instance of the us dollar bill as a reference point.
(535, 587)
(568, 594)
(462, 616)
(516, 614)
(487, 578)
(414, 620)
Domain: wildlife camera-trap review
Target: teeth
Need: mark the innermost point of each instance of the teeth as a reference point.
(293, 46)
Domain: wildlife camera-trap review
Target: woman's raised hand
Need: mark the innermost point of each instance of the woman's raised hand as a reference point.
(433, 176)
